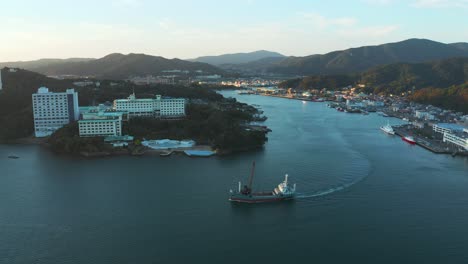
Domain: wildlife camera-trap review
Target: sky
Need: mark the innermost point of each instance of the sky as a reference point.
(185, 29)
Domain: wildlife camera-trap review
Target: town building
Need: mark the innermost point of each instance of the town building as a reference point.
(374, 103)
(52, 111)
(1, 84)
(424, 115)
(159, 107)
(100, 121)
(458, 138)
(139, 80)
(447, 128)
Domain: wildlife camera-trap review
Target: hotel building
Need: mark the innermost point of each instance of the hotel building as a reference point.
(159, 107)
(99, 122)
(53, 110)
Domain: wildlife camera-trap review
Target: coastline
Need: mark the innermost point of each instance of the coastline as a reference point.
(135, 151)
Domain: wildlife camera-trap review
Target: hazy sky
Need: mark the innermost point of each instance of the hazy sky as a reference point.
(33, 29)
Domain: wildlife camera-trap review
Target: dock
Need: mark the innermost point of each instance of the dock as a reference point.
(435, 146)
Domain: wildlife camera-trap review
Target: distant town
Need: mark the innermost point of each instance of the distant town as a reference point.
(436, 129)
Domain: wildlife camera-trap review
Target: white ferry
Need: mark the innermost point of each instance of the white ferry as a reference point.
(388, 129)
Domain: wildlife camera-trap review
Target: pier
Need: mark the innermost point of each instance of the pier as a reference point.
(435, 146)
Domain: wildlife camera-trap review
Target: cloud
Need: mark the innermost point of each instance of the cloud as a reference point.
(441, 3)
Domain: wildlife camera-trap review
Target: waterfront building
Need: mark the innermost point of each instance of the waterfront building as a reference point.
(374, 103)
(459, 138)
(424, 115)
(1, 84)
(100, 121)
(100, 126)
(447, 128)
(159, 107)
(52, 111)
(119, 141)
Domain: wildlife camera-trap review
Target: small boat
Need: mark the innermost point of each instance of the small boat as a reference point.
(165, 153)
(388, 129)
(245, 195)
(13, 157)
(199, 153)
(409, 139)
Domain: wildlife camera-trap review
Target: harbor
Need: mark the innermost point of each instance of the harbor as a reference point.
(344, 168)
(420, 119)
(434, 145)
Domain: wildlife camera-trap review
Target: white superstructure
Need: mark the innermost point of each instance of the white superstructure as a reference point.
(52, 111)
(157, 107)
(388, 129)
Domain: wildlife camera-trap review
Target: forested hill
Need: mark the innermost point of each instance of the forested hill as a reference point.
(116, 66)
(356, 60)
(16, 101)
(432, 79)
(393, 78)
(401, 77)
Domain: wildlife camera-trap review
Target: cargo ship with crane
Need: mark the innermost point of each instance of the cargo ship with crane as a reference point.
(245, 194)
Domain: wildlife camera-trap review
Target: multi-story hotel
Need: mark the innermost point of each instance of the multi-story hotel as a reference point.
(53, 110)
(159, 107)
(447, 128)
(99, 121)
(459, 139)
(100, 126)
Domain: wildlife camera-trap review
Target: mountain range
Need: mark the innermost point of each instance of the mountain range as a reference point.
(354, 60)
(238, 58)
(393, 78)
(358, 59)
(114, 66)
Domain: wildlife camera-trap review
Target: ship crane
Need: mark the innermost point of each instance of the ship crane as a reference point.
(290, 94)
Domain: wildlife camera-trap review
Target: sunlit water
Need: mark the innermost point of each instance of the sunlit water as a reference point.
(364, 197)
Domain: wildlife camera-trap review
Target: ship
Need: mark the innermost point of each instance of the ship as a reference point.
(409, 139)
(245, 194)
(388, 129)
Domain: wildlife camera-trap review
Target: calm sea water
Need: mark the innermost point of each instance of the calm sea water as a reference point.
(365, 197)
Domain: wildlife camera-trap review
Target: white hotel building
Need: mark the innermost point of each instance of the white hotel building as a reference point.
(158, 107)
(53, 110)
(97, 122)
(100, 127)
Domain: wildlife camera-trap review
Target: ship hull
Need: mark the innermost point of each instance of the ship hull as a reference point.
(254, 198)
(408, 141)
(387, 131)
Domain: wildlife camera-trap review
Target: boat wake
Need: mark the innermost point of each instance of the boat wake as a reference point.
(328, 191)
(357, 171)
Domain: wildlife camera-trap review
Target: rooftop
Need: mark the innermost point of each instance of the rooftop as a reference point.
(451, 126)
